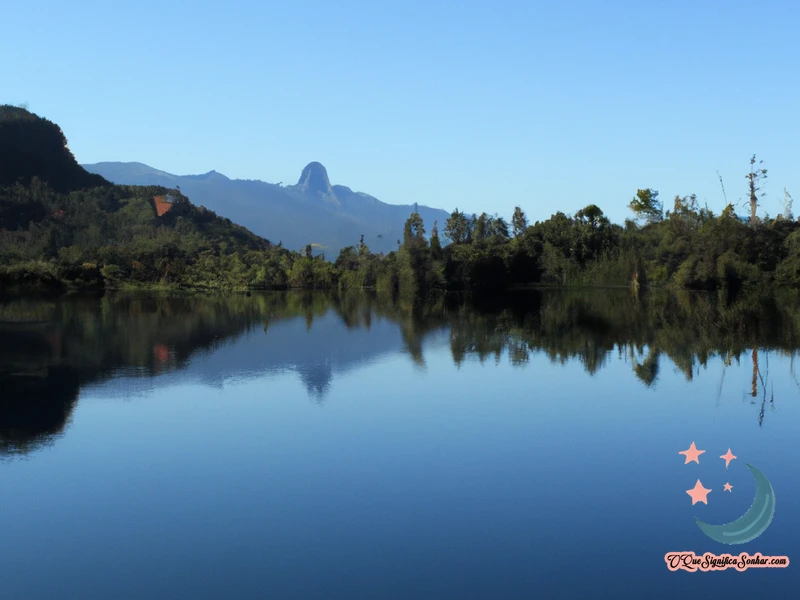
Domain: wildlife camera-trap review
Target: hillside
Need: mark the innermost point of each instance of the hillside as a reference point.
(311, 212)
(31, 146)
(63, 226)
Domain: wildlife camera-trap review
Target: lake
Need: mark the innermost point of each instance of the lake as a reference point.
(299, 445)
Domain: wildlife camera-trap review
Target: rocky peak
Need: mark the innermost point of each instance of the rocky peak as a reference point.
(314, 180)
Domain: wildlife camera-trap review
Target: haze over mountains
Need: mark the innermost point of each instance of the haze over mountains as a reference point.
(311, 212)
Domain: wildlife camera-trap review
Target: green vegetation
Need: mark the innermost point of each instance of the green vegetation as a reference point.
(112, 236)
(686, 247)
(61, 227)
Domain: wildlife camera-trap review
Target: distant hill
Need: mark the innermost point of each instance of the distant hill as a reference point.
(311, 212)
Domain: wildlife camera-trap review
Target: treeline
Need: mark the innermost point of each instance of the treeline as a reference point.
(687, 247)
(113, 236)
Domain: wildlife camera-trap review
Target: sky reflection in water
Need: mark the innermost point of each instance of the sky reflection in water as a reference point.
(437, 453)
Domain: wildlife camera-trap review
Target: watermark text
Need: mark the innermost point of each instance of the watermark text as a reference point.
(689, 561)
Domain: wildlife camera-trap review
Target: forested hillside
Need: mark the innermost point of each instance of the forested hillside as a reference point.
(62, 227)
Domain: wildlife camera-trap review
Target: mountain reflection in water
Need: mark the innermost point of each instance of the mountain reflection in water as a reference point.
(51, 350)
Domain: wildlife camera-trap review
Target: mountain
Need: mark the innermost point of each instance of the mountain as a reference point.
(142, 342)
(311, 212)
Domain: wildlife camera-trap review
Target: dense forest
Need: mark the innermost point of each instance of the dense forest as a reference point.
(61, 228)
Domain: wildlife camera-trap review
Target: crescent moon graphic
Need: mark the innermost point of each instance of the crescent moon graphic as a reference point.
(752, 523)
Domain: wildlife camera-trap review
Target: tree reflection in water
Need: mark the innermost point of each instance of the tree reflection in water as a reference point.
(51, 349)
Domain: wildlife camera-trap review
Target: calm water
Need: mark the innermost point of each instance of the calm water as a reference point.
(307, 446)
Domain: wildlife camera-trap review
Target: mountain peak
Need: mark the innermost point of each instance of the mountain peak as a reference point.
(314, 180)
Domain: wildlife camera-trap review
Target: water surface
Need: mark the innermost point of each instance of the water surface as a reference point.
(316, 446)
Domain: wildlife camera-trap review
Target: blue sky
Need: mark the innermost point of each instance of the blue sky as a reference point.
(475, 105)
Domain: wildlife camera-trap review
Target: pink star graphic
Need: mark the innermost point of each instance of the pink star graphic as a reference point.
(728, 457)
(692, 454)
(728, 487)
(698, 493)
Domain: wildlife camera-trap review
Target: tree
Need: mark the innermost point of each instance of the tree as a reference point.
(647, 206)
(787, 205)
(363, 249)
(519, 222)
(347, 259)
(458, 227)
(436, 246)
(755, 181)
(685, 206)
(482, 228)
(499, 228)
(414, 231)
(591, 215)
(308, 250)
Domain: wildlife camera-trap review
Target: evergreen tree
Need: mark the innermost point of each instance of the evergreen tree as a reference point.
(482, 228)
(414, 231)
(499, 228)
(436, 246)
(458, 227)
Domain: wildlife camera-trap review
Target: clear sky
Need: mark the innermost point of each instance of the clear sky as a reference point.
(476, 105)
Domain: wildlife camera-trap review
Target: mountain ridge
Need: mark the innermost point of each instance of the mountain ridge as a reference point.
(312, 211)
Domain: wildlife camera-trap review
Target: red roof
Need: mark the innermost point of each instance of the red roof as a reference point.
(162, 206)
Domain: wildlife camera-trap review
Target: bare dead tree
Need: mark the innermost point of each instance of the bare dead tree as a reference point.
(722, 185)
(756, 179)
